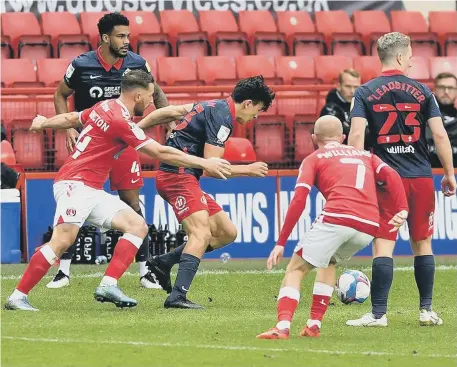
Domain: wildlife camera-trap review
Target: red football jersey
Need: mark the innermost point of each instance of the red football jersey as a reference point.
(346, 178)
(107, 131)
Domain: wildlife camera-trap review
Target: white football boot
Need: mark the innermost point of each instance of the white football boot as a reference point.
(429, 318)
(60, 280)
(368, 320)
(149, 281)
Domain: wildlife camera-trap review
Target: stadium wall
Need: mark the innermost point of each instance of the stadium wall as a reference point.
(256, 206)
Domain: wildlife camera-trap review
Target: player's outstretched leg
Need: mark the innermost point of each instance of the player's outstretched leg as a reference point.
(288, 298)
(135, 229)
(424, 273)
(381, 282)
(63, 236)
(322, 292)
(62, 278)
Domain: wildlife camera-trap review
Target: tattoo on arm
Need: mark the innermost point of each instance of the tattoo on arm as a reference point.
(160, 99)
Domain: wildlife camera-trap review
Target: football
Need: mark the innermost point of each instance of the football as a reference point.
(352, 286)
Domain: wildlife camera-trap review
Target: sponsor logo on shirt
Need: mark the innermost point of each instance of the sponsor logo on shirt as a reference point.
(400, 149)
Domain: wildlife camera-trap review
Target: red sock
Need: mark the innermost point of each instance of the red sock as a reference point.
(287, 304)
(39, 265)
(123, 256)
(321, 298)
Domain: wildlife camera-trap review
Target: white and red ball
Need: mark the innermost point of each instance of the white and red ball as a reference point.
(353, 286)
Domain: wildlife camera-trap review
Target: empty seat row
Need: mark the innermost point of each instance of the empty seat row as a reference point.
(179, 33)
(220, 70)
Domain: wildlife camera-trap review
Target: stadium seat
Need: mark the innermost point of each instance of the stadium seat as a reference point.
(50, 72)
(270, 140)
(263, 34)
(419, 69)
(19, 73)
(339, 33)
(89, 21)
(443, 64)
(329, 67)
(7, 155)
(239, 150)
(65, 32)
(7, 48)
(17, 108)
(158, 134)
(303, 144)
(224, 35)
(369, 67)
(296, 69)
(29, 148)
(252, 65)
(414, 25)
(25, 33)
(371, 24)
(444, 23)
(216, 70)
(60, 148)
(291, 104)
(177, 71)
(182, 29)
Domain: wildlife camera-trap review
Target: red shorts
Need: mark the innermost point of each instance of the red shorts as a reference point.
(126, 172)
(184, 194)
(420, 193)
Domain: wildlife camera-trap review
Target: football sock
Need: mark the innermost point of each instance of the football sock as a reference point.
(68, 255)
(383, 274)
(123, 255)
(65, 266)
(143, 268)
(424, 272)
(143, 253)
(188, 266)
(288, 299)
(321, 298)
(38, 266)
(171, 258)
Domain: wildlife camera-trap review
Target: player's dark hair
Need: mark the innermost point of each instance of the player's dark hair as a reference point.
(107, 23)
(444, 75)
(136, 79)
(253, 88)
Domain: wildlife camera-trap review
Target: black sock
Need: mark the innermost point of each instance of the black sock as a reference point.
(68, 255)
(171, 258)
(383, 274)
(188, 266)
(424, 272)
(143, 251)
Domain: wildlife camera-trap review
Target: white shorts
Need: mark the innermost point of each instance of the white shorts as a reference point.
(78, 203)
(325, 243)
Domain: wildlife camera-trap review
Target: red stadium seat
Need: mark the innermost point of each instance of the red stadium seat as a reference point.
(371, 24)
(19, 73)
(270, 140)
(177, 71)
(7, 48)
(303, 144)
(60, 148)
(7, 155)
(329, 67)
(442, 65)
(414, 25)
(182, 28)
(296, 70)
(18, 108)
(291, 104)
(50, 72)
(29, 148)
(369, 67)
(216, 70)
(263, 33)
(444, 23)
(223, 33)
(239, 150)
(158, 134)
(253, 65)
(301, 33)
(339, 33)
(25, 34)
(89, 21)
(419, 69)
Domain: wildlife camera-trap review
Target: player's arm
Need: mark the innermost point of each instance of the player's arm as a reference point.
(165, 115)
(358, 121)
(62, 121)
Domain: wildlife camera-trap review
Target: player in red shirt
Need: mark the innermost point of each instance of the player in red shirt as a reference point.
(347, 177)
(78, 188)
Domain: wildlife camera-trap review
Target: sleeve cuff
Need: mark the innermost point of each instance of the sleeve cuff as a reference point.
(143, 144)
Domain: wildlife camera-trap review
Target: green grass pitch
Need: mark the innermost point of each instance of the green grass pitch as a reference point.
(72, 329)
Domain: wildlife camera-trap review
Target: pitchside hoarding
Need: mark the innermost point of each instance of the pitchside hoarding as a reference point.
(254, 205)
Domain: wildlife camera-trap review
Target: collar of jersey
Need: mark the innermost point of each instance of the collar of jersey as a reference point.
(392, 72)
(124, 107)
(231, 105)
(107, 66)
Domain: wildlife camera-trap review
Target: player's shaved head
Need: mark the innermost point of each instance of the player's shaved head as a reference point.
(328, 128)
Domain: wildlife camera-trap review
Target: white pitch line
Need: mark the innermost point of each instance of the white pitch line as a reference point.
(228, 272)
(225, 347)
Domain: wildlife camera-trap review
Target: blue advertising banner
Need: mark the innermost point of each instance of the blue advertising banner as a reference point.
(253, 205)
